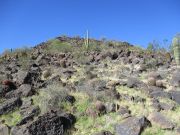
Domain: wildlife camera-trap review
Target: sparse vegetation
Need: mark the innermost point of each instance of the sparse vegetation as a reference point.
(51, 97)
(56, 46)
(23, 55)
(12, 118)
(102, 85)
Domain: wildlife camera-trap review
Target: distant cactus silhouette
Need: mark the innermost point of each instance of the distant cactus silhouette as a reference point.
(176, 48)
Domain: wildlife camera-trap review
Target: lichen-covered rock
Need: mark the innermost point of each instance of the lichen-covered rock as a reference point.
(111, 107)
(124, 111)
(90, 111)
(132, 126)
(10, 105)
(176, 96)
(175, 81)
(154, 75)
(100, 107)
(70, 99)
(160, 93)
(152, 81)
(47, 124)
(92, 85)
(3, 90)
(103, 133)
(46, 73)
(135, 83)
(159, 83)
(158, 106)
(9, 84)
(28, 114)
(162, 121)
(32, 76)
(4, 130)
(20, 77)
(24, 90)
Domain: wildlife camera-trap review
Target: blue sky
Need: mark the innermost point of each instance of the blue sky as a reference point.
(29, 22)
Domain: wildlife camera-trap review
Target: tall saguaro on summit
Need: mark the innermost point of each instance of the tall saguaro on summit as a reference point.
(176, 48)
(87, 39)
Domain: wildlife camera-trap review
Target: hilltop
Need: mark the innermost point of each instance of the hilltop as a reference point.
(66, 87)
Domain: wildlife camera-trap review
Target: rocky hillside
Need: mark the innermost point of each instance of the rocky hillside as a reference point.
(62, 87)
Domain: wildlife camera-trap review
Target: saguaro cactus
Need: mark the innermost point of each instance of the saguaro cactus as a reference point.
(87, 39)
(176, 48)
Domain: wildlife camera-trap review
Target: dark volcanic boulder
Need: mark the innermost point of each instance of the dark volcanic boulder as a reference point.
(4, 129)
(32, 76)
(176, 96)
(154, 75)
(48, 124)
(162, 106)
(70, 99)
(160, 93)
(28, 111)
(114, 56)
(51, 81)
(11, 85)
(151, 81)
(124, 111)
(132, 126)
(111, 107)
(92, 85)
(165, 106)
(100, 107)
(104, 133)
(135, 83)
(3, 90)
(28, 114)
(21, 76)
(162, 121)
(6, 87)
(175, 81)
(24, 90)
(178, 131)
(10, 105)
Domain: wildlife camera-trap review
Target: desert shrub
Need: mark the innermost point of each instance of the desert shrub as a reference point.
(116, 43)
(94, 47)
(81, 57)
(151, 64)
(56, 46)
(52, 97)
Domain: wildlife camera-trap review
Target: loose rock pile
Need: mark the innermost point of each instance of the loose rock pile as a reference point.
(110, 74)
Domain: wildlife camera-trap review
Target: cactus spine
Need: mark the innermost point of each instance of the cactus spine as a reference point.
(176, 48)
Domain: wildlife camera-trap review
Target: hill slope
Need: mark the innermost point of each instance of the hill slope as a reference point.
(64, 87)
